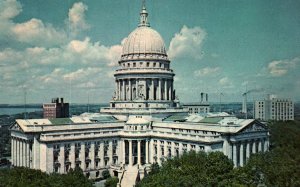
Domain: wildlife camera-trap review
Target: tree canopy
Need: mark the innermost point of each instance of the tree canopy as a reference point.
(278, 167)
(20, 177)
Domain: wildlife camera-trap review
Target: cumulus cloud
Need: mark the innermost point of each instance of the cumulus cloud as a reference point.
(279, 68)
(33, 32)
(187, 43)
(36, 32)
(225, 82)
(93, 53)
(76, 18)
(207, 71)
(9, 9)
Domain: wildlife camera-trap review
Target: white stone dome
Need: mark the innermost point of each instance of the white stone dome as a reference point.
(144, 40)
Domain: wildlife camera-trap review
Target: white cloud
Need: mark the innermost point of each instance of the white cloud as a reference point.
(76, 18)
(207, 71)
(9, 9)
(224, 81)
(81, 74)
(187, 43)
(281, 67)
(36, 32)
(95, 53)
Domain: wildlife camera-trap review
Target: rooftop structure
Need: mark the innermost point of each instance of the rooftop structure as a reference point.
(144, 81)
(56, 109)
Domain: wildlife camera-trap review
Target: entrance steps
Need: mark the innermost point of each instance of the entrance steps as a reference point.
(130, 176)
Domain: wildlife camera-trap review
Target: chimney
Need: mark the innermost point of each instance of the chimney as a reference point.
(207, 97)
(201, 96)
(62, 100)
(244, 106)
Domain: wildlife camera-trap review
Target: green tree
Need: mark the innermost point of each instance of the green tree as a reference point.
(111, 182)
(105, 174)
(191, 169)
(20, 177)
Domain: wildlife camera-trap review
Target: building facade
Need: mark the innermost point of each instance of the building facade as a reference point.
(56, 109)
(273, 108)
(195, 108)
(144, 124)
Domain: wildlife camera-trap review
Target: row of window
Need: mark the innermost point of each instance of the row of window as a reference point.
(195, 131)
(146, 64)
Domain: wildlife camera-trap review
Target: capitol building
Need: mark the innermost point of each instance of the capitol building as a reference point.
(144, 123)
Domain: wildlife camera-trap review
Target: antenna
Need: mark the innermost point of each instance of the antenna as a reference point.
(25, 102)
(221, 94)
(88, 104)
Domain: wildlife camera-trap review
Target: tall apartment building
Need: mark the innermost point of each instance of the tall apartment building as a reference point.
(56, 109)
(274, 108)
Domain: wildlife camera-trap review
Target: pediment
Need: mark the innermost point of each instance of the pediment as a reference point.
(254, 127)
(16, 127)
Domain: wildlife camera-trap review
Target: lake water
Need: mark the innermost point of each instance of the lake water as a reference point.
(12, 111)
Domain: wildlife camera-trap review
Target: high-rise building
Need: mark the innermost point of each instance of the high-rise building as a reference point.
(144, 124)
(273, 108)
(56, 109)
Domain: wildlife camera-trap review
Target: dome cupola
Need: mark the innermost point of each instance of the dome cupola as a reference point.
(144, 39)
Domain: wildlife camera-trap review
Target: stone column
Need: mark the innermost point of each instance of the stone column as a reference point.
(92, 156)
(165, 149)
(124, 152)
(180, 149)
(110, 152)
(158, 155)
(234, 154)
(166, 89)
(119, 90)
(241, 154)
(171, 92)
(254, 147)
(226, 150)
(27, 154)
(266, 146)
(82, 156)
(15, 151)
(139, 152)
(259, 145)
(130, 90)
(159, 89)
(147, 151)
(72, 155)
(12, 151)
(151, 152)
(172, 149)
(61, 158)
(145, 88)
(124, 90)
(101, 154)
(21, 153)
(130, 152)
(152, 90)
(116, 89)
(247, 150)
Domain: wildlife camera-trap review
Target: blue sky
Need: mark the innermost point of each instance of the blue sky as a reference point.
(70, 48)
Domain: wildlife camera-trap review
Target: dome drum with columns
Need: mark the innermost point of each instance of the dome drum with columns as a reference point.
(144, 82)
